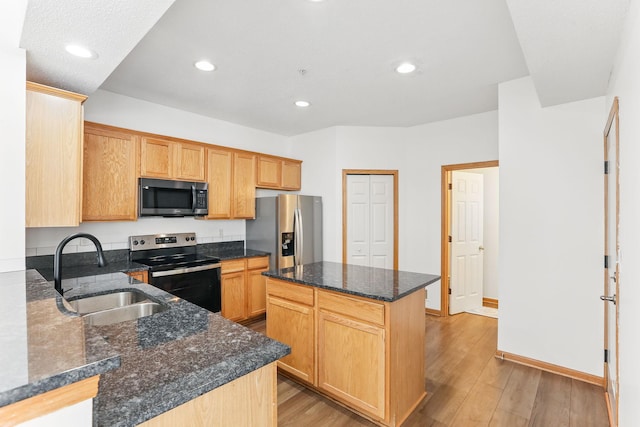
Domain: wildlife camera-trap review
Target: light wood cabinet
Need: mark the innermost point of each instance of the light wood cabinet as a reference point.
(219, 176)
(351, 360)
(142, 276)
(110, 174)
(232, 191)
(243, 288)
(167, 159)
(54, 122)
(278, 173)
(250, 400)
(290, 319)
(369, 354)
(244, 185)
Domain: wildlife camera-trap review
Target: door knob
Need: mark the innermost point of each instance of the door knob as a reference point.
(608, 298)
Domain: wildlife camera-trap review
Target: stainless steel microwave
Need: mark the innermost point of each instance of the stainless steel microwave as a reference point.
(160, 197)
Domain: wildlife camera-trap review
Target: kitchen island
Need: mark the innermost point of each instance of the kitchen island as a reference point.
(356, 334)
(169, 368)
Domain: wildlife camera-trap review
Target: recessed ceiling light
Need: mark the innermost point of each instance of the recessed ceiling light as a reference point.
(205, 65)
(405, 68)
(80, 51)
(302, 104)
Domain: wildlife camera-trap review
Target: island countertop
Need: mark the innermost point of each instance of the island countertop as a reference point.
(368, 282)
(165, 360)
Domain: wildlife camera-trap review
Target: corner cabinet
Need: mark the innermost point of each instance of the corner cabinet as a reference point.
(110, 174)
(168, 159)
(365, 353)
(54, 122)
(278, 173)
(243, 288)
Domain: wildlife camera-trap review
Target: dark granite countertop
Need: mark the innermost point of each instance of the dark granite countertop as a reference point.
(43, 347)
(233, 253)
(166, 359)
(368, 282)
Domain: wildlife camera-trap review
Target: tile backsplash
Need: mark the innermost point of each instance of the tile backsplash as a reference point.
(115, 235)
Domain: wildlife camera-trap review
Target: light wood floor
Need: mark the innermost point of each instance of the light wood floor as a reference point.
(466, 386)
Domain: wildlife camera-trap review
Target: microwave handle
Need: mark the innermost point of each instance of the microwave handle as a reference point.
(193, 197)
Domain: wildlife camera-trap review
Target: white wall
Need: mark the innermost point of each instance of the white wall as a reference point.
(418, 154)
(625, 86)
(117, 110)
(551, 232)
(12, 123)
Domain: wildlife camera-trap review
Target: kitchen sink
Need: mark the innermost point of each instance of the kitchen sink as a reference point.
(116, 307)
(107, 301)
(122, 314)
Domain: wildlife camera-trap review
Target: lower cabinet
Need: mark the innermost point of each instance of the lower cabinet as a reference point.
(250, 400)
(351, 361)
(365, 353)
(291, 321)
(243, 288)
(142, 276)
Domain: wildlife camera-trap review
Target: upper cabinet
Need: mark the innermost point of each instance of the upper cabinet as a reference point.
(54, 123)
(232, 190)
(166, 159)
(278, 173)
(110, 174)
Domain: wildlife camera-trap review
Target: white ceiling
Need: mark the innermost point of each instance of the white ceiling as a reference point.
(348, 49)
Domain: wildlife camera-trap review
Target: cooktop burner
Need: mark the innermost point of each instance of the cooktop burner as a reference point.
(167, 251)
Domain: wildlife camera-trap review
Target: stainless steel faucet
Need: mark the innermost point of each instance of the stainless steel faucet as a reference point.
(57, 259)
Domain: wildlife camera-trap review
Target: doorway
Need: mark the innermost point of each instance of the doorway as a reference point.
(489, 297)
(370, 217)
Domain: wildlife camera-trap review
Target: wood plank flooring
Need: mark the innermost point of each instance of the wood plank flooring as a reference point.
(466, 386)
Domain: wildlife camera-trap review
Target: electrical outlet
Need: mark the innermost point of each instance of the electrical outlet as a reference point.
(221, 233)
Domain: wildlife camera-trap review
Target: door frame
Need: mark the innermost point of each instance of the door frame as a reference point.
(612, 120)
(445, 222)
(346, 172)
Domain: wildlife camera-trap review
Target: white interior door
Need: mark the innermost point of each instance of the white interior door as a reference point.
(467, 219)
(358, 206)
(612, 268)
(370, 232)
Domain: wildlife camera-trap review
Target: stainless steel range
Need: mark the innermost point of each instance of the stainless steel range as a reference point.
(175, 266)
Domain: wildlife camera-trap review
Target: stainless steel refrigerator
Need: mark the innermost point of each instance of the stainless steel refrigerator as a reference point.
(290, 227)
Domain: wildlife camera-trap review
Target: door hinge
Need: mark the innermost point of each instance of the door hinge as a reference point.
(450, 186)
(606, 356)
(606, 261)
(606, 167)
(450, 240)
(449, 291)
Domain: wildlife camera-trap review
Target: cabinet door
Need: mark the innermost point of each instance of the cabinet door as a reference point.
(351, 362)
(291, 172)
(219, 175)
(244, 185)
(109, 183)
(233, 296)
(53, 147)
(269, 172)
(293, 324)
(257, 292)
(189, 162)
(156, 158)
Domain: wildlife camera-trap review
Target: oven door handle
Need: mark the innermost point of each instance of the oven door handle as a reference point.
(185, 270)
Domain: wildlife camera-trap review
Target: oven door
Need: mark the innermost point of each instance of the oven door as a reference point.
(199, 285)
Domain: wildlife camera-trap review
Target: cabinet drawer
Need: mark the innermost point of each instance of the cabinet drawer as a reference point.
(290, 291)
(356, 308)
(232, 266)
(257, 262)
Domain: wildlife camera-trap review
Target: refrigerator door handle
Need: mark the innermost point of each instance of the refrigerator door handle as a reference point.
(298, 237)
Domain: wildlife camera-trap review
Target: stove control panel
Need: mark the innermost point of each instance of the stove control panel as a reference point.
(158, 241)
